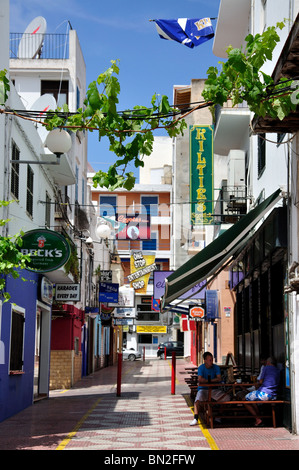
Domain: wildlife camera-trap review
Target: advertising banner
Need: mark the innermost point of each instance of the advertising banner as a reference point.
(67, 292)
(126, 297)
(201, 174)
(151, 329)
(196, 312)
(48, 250)
(159, 287)
(141, 268)
(135, 227)
(212, 304)
(108, 292)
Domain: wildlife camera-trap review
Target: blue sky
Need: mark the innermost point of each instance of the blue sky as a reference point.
(119, 29)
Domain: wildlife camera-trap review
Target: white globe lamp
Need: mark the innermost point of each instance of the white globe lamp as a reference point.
(58, 142)
(103, 231)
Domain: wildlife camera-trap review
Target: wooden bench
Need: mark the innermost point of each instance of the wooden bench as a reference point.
(215, 409)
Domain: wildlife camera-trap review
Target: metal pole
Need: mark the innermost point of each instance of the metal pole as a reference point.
(119, 367)
(120, 360)
(173, 373)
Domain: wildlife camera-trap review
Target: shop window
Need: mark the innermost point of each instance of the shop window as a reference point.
(16, 341)
(145, 339)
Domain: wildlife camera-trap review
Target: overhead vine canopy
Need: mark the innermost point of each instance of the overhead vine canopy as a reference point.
(131, 132)
(241, 78)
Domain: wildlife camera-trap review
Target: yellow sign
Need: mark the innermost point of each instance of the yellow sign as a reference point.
(141, 268)
(151, 329)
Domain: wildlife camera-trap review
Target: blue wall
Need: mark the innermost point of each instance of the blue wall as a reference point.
(16, 392)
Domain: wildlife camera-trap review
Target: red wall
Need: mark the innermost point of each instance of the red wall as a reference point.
(65, 329)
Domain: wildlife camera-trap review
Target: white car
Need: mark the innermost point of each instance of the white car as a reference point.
(131, 354)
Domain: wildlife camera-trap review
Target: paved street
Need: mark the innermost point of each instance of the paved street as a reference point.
(145, 417)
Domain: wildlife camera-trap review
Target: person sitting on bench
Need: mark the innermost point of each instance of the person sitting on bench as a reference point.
(207, 373)
(268, 387)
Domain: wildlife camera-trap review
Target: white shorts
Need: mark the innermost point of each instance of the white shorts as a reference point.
(218, 395)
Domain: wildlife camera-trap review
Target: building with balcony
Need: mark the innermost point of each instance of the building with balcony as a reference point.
(262, 272)
(202, 176)
(257, 242)
(54, 345)
(141, 221)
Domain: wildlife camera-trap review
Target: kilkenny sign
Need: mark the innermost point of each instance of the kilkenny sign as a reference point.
(201, 175)
(48, 250)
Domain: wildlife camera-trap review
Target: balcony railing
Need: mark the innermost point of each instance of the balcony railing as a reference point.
(228, 106)
(231, 204)
(54, 46)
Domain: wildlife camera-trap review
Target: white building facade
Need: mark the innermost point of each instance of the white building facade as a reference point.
(270, 152)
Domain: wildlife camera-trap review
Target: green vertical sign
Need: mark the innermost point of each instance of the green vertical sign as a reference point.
(201, 174)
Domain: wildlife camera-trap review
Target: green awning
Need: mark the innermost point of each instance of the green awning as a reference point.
(208, 261)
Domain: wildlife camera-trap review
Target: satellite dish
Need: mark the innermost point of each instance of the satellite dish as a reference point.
(43, 104)
(32, 39)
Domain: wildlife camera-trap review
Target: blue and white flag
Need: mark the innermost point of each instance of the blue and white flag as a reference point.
(190, 32)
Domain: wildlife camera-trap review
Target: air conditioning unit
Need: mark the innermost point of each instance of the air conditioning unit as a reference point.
(236, 168)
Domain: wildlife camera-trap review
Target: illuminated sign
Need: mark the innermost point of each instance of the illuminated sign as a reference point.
(201, 175)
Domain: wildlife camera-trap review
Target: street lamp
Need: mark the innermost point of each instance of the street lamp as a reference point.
(58, 142)
(103, 230)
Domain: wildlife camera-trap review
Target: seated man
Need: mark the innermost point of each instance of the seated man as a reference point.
(268, 387)
(208, 373)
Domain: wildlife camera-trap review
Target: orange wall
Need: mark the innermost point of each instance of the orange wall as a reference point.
(128, 200)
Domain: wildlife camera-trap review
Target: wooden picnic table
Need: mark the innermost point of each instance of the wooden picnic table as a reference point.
(210, 407)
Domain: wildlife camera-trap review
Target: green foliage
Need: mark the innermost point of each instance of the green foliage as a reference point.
(4, 87)
(72, 264)
(130, 133)
(241, 79)
(10, 256)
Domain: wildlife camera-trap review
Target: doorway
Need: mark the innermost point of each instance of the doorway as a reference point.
(42, 351)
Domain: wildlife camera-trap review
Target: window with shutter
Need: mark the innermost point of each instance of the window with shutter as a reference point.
(16, 341)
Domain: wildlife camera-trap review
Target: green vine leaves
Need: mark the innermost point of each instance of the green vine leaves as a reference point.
(241, 78)
(10, 257)
(130, 133)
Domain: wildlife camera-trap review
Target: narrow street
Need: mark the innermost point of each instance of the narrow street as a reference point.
(145, 417)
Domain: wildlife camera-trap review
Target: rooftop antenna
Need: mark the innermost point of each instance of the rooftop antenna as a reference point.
(43, 104)
(32, 40)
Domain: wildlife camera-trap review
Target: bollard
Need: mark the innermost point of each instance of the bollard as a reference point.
(173, 373)
(143, 353)
(165, 353)
(119, 367)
